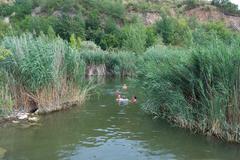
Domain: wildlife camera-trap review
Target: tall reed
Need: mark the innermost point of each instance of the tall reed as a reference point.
(196, 88)
(121, 63)
(43, 73)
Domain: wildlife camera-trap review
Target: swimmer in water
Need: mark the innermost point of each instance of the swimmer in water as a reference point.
(118, 98)
(134, 99)
(117, 93)
(125, 87)
(123, 101)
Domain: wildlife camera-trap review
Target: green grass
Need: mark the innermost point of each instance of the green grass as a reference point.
(37, 65)
(45, 72)
(197, 88)
(116, 63)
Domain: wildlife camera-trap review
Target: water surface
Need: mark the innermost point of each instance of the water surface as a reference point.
(102, 130)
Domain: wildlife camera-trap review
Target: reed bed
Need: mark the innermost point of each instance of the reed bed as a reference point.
(6, 101)
(100, 62)
(43, 73)
(195, 88)
(49, 74)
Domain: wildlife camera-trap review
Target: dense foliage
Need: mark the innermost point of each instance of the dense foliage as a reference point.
(38, 67)
(227, 7)
(197, 88)
(108, 23)
(47, 72)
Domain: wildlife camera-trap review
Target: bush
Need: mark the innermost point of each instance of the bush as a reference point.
(112, 7)
(151, 36)
(4, 29)
(6, 10)
(134, 38)
(220, 29)
(227, 7)
(66, 26)
(22, 8)
(192, 4)
(37, 24)
(49, 6)
(173, 31)
(211, 31)
(4, 53)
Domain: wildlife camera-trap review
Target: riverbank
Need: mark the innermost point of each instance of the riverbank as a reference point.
(49, 74)
(196, 88)
(41, 73)
(100, 128)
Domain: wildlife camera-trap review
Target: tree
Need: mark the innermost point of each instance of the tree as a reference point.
(227, 7)
(66, 26)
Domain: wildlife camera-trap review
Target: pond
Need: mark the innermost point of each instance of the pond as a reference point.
(103, 130)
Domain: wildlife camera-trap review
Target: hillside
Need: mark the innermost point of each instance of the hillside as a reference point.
(104, 21)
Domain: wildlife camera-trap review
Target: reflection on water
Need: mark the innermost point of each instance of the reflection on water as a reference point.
(101, 129)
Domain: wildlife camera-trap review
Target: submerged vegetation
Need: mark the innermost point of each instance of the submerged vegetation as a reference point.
(188, 70)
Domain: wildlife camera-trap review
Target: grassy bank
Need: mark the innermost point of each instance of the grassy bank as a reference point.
(49, 73)
(120, 63)
(195, 88)
(40, 72)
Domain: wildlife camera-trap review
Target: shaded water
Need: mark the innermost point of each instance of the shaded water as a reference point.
(102, 130)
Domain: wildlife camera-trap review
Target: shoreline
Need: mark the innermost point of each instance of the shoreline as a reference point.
(19, 116)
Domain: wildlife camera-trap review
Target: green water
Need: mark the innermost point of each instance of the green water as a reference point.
(102, 130)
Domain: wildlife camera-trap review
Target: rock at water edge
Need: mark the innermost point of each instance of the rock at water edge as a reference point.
(2, 152)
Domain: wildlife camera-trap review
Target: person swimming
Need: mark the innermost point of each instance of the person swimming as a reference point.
(134, 99)
(124, 101)
(125, 87)
(118, 97)
(117, 93)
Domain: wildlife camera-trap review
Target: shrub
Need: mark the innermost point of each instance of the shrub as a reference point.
(227, 7)
(37, 24)
(192, 3)
(173, 31)
(134, 38)
(151, 36)
(6, 10)
(65, 26)
(4, 29)
(112, 7)
(22, 8)
(220, 29)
